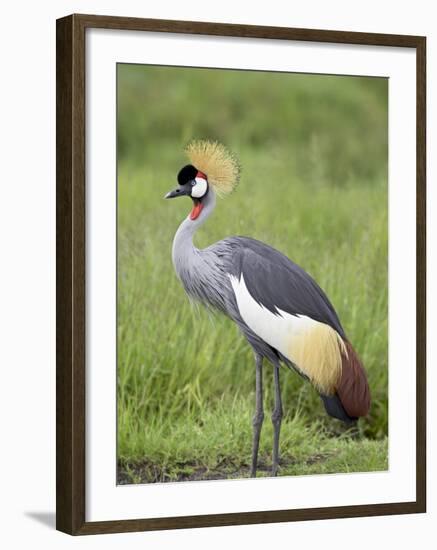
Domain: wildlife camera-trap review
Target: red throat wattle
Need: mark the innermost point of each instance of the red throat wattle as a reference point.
(196, 210)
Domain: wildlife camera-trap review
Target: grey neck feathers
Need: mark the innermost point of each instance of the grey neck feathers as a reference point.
(202, 272)
(184, 252)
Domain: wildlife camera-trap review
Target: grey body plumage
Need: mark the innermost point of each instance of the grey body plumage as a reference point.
(205, 275)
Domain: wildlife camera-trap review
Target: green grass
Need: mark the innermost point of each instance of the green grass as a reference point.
(314, 156)
(216, 444)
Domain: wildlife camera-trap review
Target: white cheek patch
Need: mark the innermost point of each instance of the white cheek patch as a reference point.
(200, 188)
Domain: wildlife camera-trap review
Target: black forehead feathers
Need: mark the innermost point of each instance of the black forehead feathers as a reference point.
(186, 174)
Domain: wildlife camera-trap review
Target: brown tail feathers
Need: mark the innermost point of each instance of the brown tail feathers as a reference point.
(353, 389)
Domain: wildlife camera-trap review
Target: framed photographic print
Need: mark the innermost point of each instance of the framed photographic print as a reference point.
(253, 351)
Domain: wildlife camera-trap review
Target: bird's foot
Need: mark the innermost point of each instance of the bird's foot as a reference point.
(253, 469)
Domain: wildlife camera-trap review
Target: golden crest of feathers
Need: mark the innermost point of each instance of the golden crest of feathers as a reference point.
(219, 165)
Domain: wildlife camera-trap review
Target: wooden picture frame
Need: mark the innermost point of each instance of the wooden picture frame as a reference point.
(71, 279)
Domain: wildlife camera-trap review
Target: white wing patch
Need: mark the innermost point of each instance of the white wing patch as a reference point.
(314, 347)
(276, 330)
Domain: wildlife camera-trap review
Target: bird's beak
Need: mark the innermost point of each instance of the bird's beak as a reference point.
(179, 192)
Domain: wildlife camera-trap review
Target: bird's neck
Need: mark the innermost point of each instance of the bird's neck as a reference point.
(183, 247)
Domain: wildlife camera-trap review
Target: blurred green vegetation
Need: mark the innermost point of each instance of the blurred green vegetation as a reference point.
(314, 155)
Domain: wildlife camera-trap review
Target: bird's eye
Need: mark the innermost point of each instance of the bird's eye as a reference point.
(193, 183)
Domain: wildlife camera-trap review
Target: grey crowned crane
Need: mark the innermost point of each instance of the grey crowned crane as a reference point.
(282, 312)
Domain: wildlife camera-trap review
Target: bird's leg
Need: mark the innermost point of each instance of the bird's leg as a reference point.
(259, 413)
(276, 420)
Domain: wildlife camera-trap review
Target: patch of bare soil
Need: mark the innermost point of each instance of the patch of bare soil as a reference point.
(148, 472)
